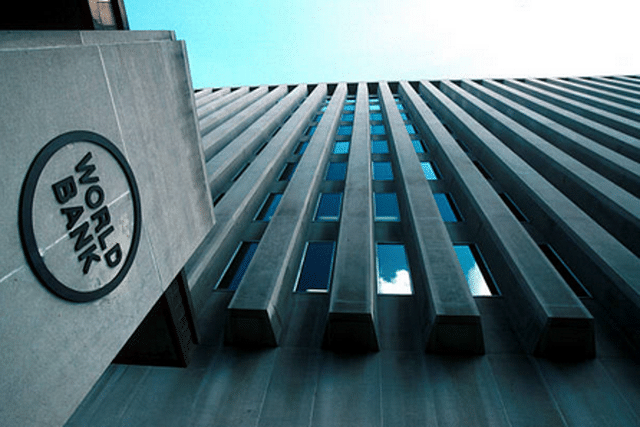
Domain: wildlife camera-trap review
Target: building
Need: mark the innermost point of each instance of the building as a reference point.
(442, 253)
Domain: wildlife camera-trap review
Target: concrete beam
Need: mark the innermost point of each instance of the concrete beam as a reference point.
(615, 209)
(216, 104)
(352, 310)
(203, 97)
(581, 86)
(260, 304)
(605, 86)
(615, 167)
(229, 111)
(452, 319)
(629, 82)
(546, 309)
(605, 135)
(216, 140)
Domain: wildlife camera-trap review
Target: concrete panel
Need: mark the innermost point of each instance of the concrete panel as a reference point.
(547, 310)
(352, 313)
(615, 209)
(42, 39)
(607, 136)
(615, 167)
(233, 127)
(212, 121)
(257, 310)
(242, 201)
(452, 319)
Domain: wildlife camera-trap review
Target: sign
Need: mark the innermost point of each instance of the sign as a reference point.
(80, 216)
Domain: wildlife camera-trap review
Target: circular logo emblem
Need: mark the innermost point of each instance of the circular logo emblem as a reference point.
(80, 216)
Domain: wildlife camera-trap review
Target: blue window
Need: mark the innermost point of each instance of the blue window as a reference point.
(430, 171)
(337, 171)
(269, 207)
(474, 270)
(236, 269)
(403, 116)
(329, 207)
(379, 146)
(447, 208)
(341, 147)
(301, 147)
(418, 145)
(344, 130)
(386, 207)
(317, 265)
(394, 276)
(400, 105)
(288, 171)
(374, 107)
(382, 171)
(346, 117)
(410, 129)
(349, 107)
(378, 130)
(317, 117)
(310, 130)
(375, 116)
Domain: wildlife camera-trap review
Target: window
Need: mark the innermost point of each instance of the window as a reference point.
(301, 147)
(344, 130)
(351, 100)
(410, 129)
(341, 147)
(316, 269)
(400, 105)
(430, 172)
(403, 116)
(269, 207)
(386, 207)
(576, 286)
(513, 208)
(350, 107)
(336, 171)
(382, 171)
(310, 130)
(482, 169)
(329, 207)
(374, 107)
(236, 269)
(475, 271)
(418, 145)
(317, 117)
(346, 117)
(379, 146)
(378, 130)
(240, 172)
(448, 212)
(375, 117)
(288, 171)
(393, 269)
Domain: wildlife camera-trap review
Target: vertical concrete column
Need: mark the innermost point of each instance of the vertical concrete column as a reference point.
(214, 120)
(547, 309)
(618, 284)
(614, 166)
(605, 135)
(629, 82)
(352, 308)
(233, 155)
(260, 304)
(453, 320)
(242, 200)
(607, 91)
(623, 124)
(223, 134)
(220, 101)
(614, 208)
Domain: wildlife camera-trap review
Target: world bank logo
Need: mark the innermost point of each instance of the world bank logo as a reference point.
(80, 216)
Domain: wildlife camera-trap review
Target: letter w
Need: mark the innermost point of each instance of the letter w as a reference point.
(86, 178)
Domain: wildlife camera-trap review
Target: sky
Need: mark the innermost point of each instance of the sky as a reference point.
(248, 42)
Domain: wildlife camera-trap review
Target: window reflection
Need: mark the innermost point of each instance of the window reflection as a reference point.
(329, 207)
(429, 171)
(341, 147)
(269, 207)
(379, 146)
(382, 171)
(446, 207)
(315, 273)
(393, 269)
(469, 259)
(336, 171)
(235, 271)
(386, 207)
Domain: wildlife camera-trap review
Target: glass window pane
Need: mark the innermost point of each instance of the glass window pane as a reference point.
(344, 130)
(375, 116)
(411, 129)
(317, 117)
(288, 171)
(417, 145)
(393, 269)
(379, 146)
(374, 107)
(386, 207)
(382, 171)
(471, 269)
(403, 116)
(400, 105)
(269, 207)
(301, 147)
(329, 207)
(378, 130)
(336, 171)
(235, 270)
(574, 283)
(317, 264)
(310, 130)
(429, 171)
(446, 207)
(341, 147)
(350, 107)
(346, 117)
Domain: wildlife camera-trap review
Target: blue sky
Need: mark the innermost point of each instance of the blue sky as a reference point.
(246, 42)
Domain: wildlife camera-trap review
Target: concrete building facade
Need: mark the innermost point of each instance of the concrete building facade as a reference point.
(441, 253)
